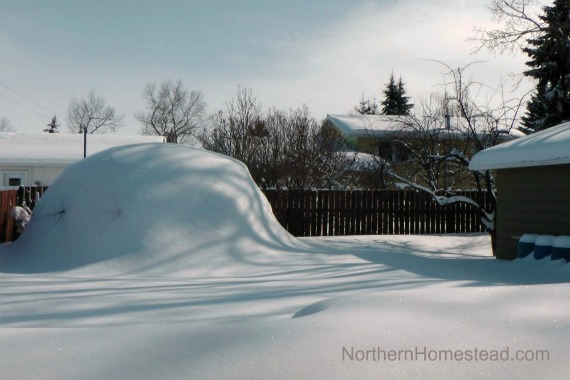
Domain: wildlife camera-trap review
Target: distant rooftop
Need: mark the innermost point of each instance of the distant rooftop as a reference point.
(548, 147)
(386, 125)
(55, 149)
(363, 125)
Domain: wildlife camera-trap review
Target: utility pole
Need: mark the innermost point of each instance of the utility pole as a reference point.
(445, 169)
(84, 141)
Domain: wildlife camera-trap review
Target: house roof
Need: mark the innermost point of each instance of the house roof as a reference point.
(548, 147)
(57, 149)
(364, 125)
(386, 125)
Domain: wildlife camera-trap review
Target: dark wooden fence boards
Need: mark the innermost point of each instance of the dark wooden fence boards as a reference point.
(370, 212)
(331, 213)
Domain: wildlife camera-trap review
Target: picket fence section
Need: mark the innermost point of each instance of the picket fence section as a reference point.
(370, 212)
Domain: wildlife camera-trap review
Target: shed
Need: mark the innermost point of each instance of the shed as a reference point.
(38, 159)
(533, 186)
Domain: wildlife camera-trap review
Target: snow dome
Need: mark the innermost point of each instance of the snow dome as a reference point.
(157, 208)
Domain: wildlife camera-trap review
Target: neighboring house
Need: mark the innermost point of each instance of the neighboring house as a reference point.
(370, 134)
(533, 184)
(375, 134)
(38, 159)
(383, 135)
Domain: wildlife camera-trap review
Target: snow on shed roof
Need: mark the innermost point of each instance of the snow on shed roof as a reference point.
(548, 147)
(363, 125)
(55, 149)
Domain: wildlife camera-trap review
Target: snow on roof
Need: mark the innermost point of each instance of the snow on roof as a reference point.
(548, 147)
(53, 149)
(363, 125)
(383, 125)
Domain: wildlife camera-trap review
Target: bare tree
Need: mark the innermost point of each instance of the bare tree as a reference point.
(282, 149)
(333, 160)
(443, 137)
(172, 111)
(517, 22)
(236, 131)
(6, 125)
(93, 115)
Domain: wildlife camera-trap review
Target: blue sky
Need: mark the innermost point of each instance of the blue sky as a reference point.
(322, 53)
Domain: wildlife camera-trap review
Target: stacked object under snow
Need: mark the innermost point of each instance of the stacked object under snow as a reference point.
(526, 245)
(561, 248)
(541, 246)
(152, 208)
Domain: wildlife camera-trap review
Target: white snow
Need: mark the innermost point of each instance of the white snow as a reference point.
(561, 242)
(548, 147)
(166, 263)
(545, 240)
(528, 238)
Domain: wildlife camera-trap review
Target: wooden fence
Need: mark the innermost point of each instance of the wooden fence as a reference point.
(370, 212)
(331, 213)
(8, 200)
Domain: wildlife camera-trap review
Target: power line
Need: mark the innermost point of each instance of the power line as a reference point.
(28, 99)
(20, 105)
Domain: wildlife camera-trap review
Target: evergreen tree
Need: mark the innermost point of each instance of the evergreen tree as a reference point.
(404, 106)
(52, 126)
(550, 65)
(367, 106)
(535, 116)
(395, 102)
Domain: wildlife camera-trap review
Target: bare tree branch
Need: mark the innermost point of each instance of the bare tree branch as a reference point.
(172, 111)
(6, 125)
(92, 114)
(517, 22)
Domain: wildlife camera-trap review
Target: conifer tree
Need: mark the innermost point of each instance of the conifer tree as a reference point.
(52, 126)
(367, 106)
(395, 102)
(550, 65)
(404, 106)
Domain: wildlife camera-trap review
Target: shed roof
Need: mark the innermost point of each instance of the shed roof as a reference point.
(55, 149)
(548, 147)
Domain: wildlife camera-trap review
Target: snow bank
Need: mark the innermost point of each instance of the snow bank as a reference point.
(165, 262)
(153, 208)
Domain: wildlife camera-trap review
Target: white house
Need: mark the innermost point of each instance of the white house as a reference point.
(38, 159)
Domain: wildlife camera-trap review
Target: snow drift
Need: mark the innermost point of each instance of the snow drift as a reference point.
(156, 208)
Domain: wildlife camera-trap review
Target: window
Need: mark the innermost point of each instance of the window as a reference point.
(14, 178)
(14, 181)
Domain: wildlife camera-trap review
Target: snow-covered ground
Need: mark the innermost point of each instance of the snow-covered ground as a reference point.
(164, 262)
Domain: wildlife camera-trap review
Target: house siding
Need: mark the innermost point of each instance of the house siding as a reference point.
(34, 175)
(531, 200)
